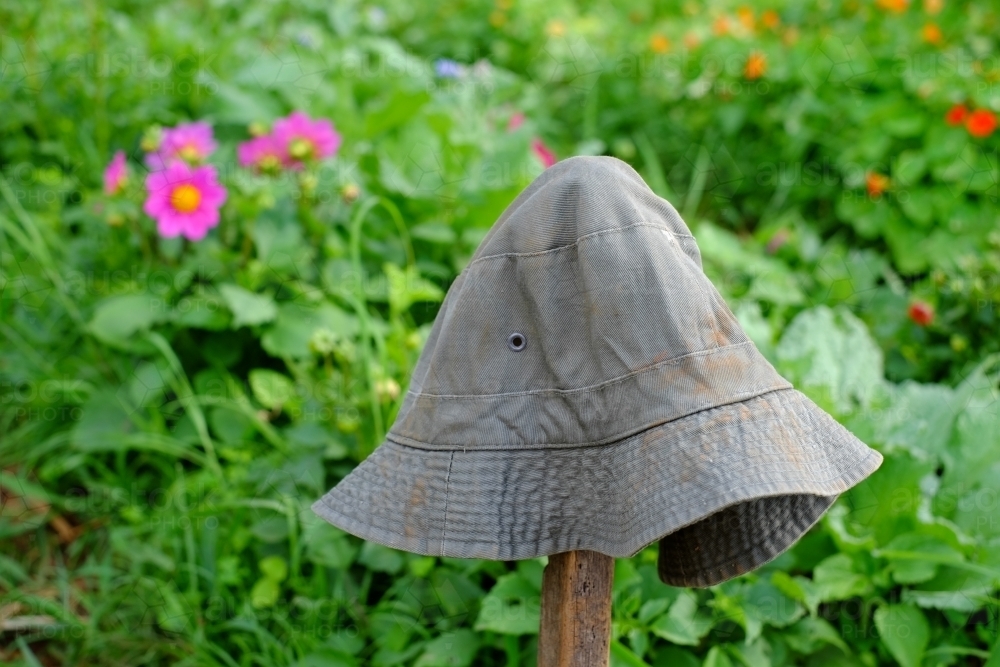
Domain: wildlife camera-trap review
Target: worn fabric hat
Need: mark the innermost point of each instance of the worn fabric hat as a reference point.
(585, 386)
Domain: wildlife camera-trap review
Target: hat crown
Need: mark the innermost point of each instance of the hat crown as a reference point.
(603, 281)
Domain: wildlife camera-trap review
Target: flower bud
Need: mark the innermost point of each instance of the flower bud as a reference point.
(257, 129)
(151, 138)
(350, 193)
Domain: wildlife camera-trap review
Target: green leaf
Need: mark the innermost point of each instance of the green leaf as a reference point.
(684, 624)
(908, 168)
(994, 659)
(202, 311)
(830, 353)
(274, 567)
(511, 607)
(885, 504)
(798, 588)
(272, 529)
(904, 630)
(248, 308)
(810, 633)
(456, 648)
(408, 287)
(836, 579)
(381, 558)
(434, 232)
(731, 608)
(103, 418)
(231, 104)
(622, 656)
(920, 416)
(770, 605)
(295, 325)
(674, 656)
(327, 658)
(905, 551)
(653, 608)
(271, 388)
(264, 593)
(118, 318)
(918, 206)
(952, 588)
(754, 654)
(770, 279)
(229, 425)
(717, 657)
(326, 544)
(171, 615)
(401, 106)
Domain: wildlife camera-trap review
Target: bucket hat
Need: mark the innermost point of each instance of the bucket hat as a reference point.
(585, 386)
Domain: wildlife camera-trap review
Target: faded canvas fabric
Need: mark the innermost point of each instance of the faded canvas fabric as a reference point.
(585, 386)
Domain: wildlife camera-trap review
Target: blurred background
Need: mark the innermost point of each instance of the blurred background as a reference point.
(226, 228)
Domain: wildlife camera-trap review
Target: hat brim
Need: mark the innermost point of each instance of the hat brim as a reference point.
(617, 498)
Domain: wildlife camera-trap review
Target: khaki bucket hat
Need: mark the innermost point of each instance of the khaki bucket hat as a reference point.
(585, 386)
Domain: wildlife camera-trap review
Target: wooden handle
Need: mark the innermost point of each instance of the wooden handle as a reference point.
(576, 610)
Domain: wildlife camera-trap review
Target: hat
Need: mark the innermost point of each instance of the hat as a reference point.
(585, 386)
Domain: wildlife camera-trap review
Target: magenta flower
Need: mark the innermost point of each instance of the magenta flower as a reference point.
(263, 154)
(115, 174)
(190, 142)
(516, 121)
(304, 140)
(184, 200)
(542, 152)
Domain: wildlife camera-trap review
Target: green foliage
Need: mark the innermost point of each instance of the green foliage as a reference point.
(169, 409)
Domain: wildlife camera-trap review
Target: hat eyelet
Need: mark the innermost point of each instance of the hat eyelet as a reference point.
(517, 342)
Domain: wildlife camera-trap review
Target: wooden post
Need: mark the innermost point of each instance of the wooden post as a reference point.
(576, 610)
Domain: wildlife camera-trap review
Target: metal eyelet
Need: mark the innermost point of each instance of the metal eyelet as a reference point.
(517, 342)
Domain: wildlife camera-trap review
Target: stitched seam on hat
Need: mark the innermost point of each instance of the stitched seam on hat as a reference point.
(577, 242)
(447, 497)
(735, 398)
(594, 387)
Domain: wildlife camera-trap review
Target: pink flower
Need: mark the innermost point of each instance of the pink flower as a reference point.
(516, 121)
(263, 154)
(304, 140)
(115, 174)
(184, 200)
(190, 142)
(542, 152)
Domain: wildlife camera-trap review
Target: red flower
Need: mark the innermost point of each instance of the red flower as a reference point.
(956, 115)
(921, 312)
(876, 183)
(542, 152)
(981, 123)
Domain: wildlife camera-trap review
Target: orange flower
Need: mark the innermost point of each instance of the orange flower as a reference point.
(981, 123)
(691, 40)
(756, 65)
(746, 17)
(721, 26)
(956, 115)
(876, 183)
(897, 6)
(932, 33)
(933, 6)
(770, 19)
(659, 44)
